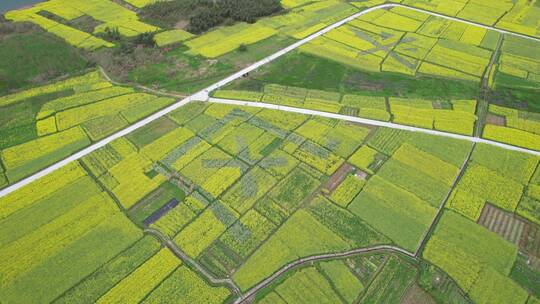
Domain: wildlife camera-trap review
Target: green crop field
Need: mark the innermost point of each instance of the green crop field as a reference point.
(171, 151)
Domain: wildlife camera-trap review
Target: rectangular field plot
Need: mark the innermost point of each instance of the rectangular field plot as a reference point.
(115, 270)
(143, 280)
(176, 219)
(294, 188)
(502, 223)
(248, 233)
(228, 39)
(440, 115)
(253, 185)
(517, 127)
(478, 259)
(398, 214)
(499, 177)
(351, 228)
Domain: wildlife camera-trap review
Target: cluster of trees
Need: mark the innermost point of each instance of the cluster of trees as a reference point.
(202, 15)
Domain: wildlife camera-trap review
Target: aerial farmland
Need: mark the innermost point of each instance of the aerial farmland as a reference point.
(270, 151)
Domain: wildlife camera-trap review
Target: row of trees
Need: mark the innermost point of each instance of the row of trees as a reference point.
(202, 15)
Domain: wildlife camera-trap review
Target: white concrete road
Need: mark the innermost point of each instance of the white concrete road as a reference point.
(203, 96)
(371, 122)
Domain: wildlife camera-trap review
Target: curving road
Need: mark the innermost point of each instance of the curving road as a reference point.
(203, 95)
(328, 256)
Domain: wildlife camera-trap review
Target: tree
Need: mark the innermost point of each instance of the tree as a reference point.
(112, 33)
(146, 39)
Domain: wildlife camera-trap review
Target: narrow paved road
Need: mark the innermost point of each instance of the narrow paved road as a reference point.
(186, 259)
(371, 123)
(203, 94)
(322, 257)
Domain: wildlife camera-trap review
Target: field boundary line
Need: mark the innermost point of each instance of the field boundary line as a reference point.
(315, 258)
(440, 210)
(203, 95)
(371, 122)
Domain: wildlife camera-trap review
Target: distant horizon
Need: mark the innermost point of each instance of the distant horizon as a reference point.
(7, 5)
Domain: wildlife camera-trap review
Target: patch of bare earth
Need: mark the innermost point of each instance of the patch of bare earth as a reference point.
(497, 120)
(337, 178)
(181, 25)
(416, 295)
(503, 223)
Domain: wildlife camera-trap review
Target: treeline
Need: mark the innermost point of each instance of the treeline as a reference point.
(201, 15)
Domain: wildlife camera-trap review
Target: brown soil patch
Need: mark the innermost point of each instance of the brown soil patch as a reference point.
(416, 295)
(181, 25)
(503, 223)
(437, 105)
(497, 120)
(337, 178)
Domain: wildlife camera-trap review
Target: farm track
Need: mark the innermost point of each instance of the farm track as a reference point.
(203, 95)
(186, 259)
(316, 258)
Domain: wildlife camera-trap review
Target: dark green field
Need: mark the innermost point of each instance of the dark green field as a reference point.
(35, 58)
(307, 71)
